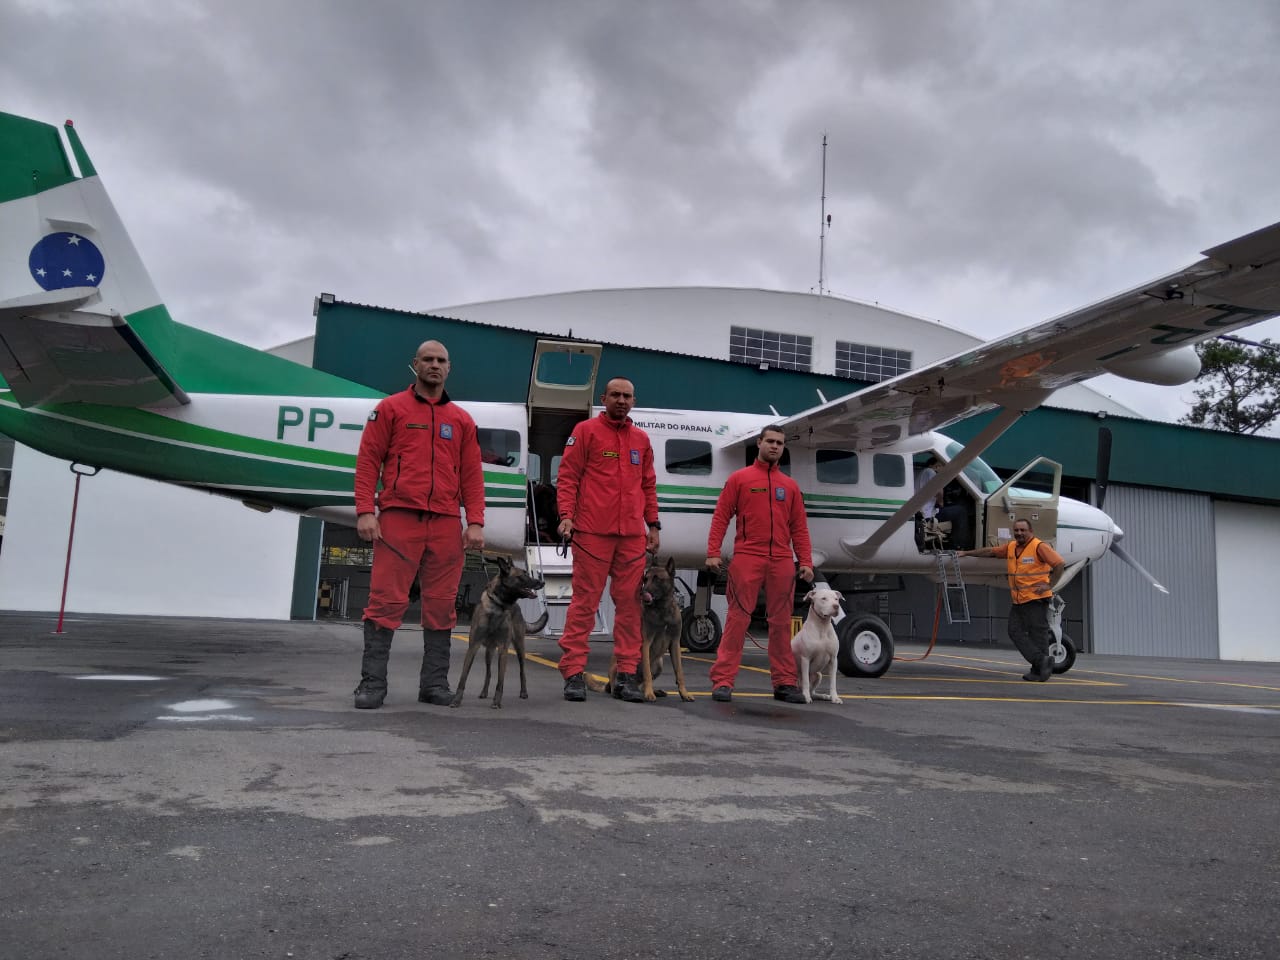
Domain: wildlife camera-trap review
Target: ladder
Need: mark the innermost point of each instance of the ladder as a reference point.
(952, 583)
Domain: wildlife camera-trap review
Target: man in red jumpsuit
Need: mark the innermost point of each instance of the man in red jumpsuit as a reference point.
(607, 494)
(423, 448)
(770, 522)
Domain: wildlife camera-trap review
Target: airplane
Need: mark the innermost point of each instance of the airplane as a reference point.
(95, 371)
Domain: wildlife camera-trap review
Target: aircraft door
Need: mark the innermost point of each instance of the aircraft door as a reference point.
(564, 377)
(1031, 494)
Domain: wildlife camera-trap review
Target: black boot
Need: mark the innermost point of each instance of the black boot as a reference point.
(433, 681)
(373, 668)
(626, 688)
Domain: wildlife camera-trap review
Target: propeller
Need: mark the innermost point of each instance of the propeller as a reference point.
(1103, 472)
(1103, 475)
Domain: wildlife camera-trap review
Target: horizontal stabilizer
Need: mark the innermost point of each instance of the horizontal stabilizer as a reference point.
(53, 352)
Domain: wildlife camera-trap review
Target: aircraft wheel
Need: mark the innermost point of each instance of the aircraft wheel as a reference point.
(701, 634)
(1063, 655)
(866, 646)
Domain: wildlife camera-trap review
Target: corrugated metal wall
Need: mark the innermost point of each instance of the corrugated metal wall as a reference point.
(1172, 535)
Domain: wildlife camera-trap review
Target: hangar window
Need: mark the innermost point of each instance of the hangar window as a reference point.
(889, 469)
(858, 361)
(689, 458)
(784, 351)
(501, 447)
(837, 466)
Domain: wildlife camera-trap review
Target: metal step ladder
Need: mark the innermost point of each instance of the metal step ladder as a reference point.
(952, 582)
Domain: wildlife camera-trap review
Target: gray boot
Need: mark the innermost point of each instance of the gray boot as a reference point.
(433, 682)
(373, 667)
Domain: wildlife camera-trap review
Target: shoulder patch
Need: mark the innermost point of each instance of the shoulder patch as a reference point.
(571, 441)
(373, 415)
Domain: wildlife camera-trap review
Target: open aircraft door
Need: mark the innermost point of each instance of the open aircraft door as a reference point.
(562, 391)
(1031, 493)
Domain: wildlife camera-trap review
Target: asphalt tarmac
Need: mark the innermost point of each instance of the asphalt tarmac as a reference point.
(201, 788)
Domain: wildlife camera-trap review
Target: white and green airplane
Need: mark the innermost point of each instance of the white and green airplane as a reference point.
(96, 372)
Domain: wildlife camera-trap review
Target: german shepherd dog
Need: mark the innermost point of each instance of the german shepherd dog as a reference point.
(660, 627)
(497, 624)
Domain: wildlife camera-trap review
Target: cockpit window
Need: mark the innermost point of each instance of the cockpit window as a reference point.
(982, 477)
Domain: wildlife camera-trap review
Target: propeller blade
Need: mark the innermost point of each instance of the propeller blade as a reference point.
(1123, 554)
(1104, 464)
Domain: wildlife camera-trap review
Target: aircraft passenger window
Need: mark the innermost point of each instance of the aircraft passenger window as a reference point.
(555, 468)
(501, 447)
(784, 464)
(535, 466)
(690, 458)
(837, 466)
(889, 469)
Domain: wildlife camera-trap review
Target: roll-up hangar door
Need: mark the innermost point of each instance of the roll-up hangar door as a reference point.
(1248, 557)
(1172, 534)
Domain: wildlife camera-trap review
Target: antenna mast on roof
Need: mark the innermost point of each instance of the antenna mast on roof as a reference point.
(824, 222)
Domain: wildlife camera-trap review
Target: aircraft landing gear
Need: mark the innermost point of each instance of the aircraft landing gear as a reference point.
(866, 646)
(700, 625)
(1062, 654)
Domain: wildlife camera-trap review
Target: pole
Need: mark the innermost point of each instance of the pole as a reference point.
(71, 536)
(822, 222)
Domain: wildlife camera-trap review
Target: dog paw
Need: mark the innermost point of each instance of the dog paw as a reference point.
(686, 697)
(836, 700)
(524, 694)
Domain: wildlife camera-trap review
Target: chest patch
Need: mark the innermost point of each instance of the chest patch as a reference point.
(609, 454)
(635, 458)
(779, 493)
(446, 431)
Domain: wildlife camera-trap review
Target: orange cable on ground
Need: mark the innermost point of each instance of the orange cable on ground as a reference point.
(937, 616)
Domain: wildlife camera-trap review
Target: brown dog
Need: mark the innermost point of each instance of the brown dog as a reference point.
(660, 627)
(498, 624)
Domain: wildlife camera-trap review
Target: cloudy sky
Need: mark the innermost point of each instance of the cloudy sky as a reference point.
(990, 164)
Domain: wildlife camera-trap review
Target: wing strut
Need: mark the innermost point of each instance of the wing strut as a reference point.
(947, 472)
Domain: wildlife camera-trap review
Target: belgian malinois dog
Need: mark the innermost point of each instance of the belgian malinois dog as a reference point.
(496, 625)
(660, 627)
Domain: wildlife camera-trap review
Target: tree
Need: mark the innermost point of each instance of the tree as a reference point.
(1239, 385)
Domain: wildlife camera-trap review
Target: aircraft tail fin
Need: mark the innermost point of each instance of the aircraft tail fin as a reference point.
(80, 320)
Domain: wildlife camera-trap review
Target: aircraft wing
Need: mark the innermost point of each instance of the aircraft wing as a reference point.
(54, 351)
(1146, 334)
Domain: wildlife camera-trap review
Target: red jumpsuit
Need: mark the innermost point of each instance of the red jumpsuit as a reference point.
(428, 458)
(770, 519)
(607, 487)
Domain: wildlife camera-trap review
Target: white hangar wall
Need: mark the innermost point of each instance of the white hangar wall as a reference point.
(140, 547)
(696, 321)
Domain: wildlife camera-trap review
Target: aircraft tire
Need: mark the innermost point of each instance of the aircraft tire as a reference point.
(866, 646)
(701, 634)
(1065, 657)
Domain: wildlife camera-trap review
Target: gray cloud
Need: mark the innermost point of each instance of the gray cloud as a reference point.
(990, 164)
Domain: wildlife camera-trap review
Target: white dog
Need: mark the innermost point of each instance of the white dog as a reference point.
(815, 646)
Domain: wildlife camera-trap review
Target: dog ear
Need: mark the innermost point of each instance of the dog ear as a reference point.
(809, 596)
(671, 566)
(504, 564)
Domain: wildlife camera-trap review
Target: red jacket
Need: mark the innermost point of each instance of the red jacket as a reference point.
(770, 514)
(606, 482)
(427, 455)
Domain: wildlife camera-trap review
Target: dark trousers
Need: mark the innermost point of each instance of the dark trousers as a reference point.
(1029, 629)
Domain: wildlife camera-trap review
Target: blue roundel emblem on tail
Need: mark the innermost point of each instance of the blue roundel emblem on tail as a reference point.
(66, 260)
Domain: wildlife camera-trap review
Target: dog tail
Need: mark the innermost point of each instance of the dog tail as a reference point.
(537, 625)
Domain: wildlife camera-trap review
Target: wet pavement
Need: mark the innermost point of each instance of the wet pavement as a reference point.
(203, 788)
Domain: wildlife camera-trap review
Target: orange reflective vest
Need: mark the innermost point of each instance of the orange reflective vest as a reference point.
(1028, 574)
